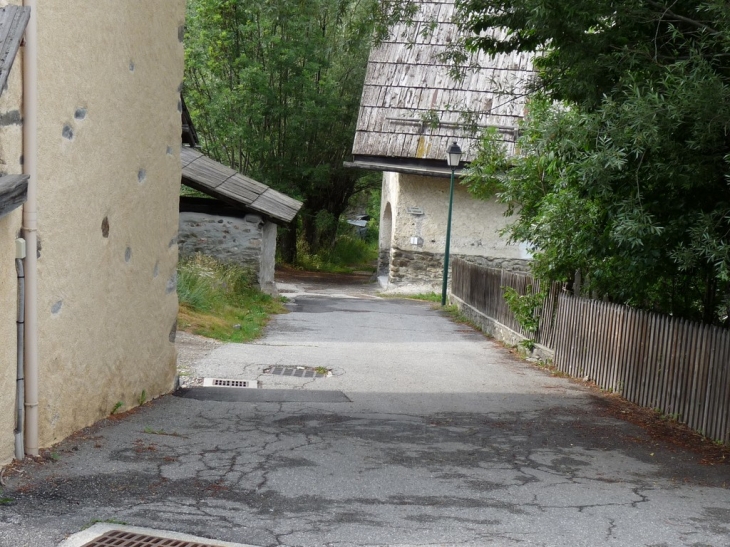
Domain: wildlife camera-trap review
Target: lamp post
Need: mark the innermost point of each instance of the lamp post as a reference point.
(453, 157)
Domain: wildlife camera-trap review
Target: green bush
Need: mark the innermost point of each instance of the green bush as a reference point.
(349, 252)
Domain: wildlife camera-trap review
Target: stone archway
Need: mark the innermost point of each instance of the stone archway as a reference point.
(386, 240)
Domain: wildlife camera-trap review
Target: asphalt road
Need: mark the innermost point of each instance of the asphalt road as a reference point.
(424, 433)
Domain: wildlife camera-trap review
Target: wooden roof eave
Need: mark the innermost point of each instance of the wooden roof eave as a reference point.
(221, 182)
(401, 165)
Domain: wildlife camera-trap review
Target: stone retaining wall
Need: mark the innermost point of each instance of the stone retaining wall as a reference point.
(417, 267)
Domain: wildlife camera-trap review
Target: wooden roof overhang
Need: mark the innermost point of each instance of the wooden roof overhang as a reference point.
(223, 183)
(424, 167)
(13, 20)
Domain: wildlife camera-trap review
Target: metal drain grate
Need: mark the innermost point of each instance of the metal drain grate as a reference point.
(118, 538)
(296, 372)
(225, 382)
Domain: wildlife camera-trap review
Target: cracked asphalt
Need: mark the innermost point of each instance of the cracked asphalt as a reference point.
(442, 438)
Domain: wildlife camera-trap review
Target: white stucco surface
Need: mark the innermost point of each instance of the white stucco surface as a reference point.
(475, 223)
(109, 176)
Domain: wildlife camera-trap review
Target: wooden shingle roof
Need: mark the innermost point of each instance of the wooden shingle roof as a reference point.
(412, 109)
(223, 183)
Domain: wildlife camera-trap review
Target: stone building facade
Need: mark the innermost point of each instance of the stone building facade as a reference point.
(414, 213)
(412, 109)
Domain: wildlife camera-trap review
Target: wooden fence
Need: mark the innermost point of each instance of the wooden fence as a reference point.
(483, 288)
(676, 366)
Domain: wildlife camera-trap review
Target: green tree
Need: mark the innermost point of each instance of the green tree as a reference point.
(274, 88)
(624, 165)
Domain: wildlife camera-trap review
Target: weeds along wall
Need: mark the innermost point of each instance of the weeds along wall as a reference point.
(248, 241)
(108, 183)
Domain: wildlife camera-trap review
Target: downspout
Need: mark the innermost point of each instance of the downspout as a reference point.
(20, 389)
(30, 226)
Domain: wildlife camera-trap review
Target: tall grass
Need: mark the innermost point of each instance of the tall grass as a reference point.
(221, 300)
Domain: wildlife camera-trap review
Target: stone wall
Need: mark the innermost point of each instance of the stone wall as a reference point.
(517, 265)
(422, 269)
(228, 239)
(247, 241)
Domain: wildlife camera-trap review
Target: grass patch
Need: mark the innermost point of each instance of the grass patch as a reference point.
(349, 254)
(426, 296)
(220, 301)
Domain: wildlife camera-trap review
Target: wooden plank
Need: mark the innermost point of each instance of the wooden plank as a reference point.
(723, 405)
(679, 356)
(13, 20)
(659, 358)
(644, 356)
(207, 173)
(237, 187)
(612, 361)
(277, 205)
(613, 340)
(699, 379)
(708, 422)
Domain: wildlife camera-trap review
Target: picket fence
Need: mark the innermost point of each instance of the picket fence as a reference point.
(678, 367)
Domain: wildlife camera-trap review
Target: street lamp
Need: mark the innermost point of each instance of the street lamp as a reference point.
(453, 157)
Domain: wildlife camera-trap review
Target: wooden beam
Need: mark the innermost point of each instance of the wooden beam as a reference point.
(13, 192)
(13, 20)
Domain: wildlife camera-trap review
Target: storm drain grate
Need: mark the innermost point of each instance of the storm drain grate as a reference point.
(298, 372)
(118, 538)
(225, 382)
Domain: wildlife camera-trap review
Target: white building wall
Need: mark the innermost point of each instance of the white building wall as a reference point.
(420, 214)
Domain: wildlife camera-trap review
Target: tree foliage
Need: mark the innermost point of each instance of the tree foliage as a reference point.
(274, 89)
(624, 165)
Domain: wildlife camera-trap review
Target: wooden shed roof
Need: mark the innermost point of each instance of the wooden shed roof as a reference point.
(413, 109)
(221, 182)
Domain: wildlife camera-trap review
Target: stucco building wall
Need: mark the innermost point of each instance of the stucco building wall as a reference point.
(108, 185)
(420, 212)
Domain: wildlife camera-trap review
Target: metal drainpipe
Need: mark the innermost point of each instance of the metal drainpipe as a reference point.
(20, 388)
(30, 226)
